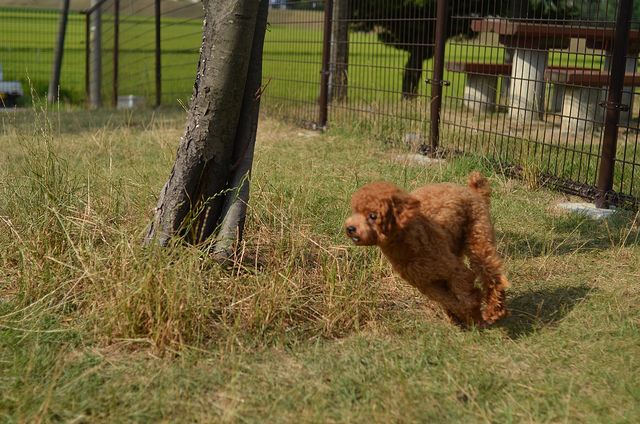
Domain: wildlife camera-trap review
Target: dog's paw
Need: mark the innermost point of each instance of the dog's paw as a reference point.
(491, 315)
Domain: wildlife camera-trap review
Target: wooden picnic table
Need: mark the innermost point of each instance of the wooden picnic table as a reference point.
(547, 35)
(532, 42)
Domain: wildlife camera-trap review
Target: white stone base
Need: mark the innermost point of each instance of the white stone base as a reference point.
(587, 209)
(480, 93)
(526, 94)
(420, 159)
(554, 97)
(580, 109)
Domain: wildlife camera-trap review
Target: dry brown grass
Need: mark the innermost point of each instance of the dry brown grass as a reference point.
(302, 326)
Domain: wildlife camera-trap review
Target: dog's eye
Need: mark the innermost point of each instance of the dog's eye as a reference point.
(373, 217)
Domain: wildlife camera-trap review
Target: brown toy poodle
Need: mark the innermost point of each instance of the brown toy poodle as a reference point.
(426, 235)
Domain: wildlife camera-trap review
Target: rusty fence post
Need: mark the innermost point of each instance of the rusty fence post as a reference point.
(158, 56)
(116, 43)
(325, 72)
(613, 105)
(438, 74)
(87, 58)
(58, 52)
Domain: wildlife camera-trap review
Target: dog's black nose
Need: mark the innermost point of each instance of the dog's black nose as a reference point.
(351, 229)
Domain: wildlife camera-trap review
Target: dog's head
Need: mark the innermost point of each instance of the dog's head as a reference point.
(379, 210)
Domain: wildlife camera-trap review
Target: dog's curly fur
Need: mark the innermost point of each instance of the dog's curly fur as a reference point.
(426, 235)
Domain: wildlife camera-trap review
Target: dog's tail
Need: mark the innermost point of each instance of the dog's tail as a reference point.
(480, 185)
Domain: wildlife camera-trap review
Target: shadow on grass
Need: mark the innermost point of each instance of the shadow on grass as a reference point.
(538, 309)
(567, 237)
(78, 121)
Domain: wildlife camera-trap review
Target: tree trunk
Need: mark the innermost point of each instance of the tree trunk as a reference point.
(235, 206)
(339, 51)
(191, 202)
(413, 71)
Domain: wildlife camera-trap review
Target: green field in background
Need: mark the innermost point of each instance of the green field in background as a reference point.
(292, 57)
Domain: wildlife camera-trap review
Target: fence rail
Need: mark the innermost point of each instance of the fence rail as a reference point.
(546, 92)
(538, 88)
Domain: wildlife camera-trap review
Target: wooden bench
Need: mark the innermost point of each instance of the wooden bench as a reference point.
(481, 89)
(586, 77)
(482, 85)
(583, 93)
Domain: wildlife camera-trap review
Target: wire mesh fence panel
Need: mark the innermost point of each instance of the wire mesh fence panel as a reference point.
(526, 89)
(292, 60)
(149, 52)
(137, 51)
(531, 85)
(181, 36)
(106, 55)
(27, 41)
(380, 51)
(627, 160)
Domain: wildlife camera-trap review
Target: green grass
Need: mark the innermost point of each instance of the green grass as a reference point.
(375, 70)
(26, 53)
(376, 67)
(304, 327)
(29, 38)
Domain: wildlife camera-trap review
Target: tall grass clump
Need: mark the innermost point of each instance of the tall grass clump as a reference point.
(73, 211)
(72, 249)
(40, 195)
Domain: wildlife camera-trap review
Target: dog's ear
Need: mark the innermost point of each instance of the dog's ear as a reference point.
(405, 207)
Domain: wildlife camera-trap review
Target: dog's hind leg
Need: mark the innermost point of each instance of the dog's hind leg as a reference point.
(495, 305)
(463, 300)
(485, 261)
(468, 297)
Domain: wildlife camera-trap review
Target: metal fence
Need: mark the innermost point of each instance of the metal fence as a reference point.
(551, 93)
(543, 89)
(146, 53)
(27, 41)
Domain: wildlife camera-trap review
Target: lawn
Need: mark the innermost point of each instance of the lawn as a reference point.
(28, 40)
(26, 52)
(292, 58)
(303, 327)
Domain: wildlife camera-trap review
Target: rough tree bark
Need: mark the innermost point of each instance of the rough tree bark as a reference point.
(210, 175)
(413, 70)
(339, 51)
